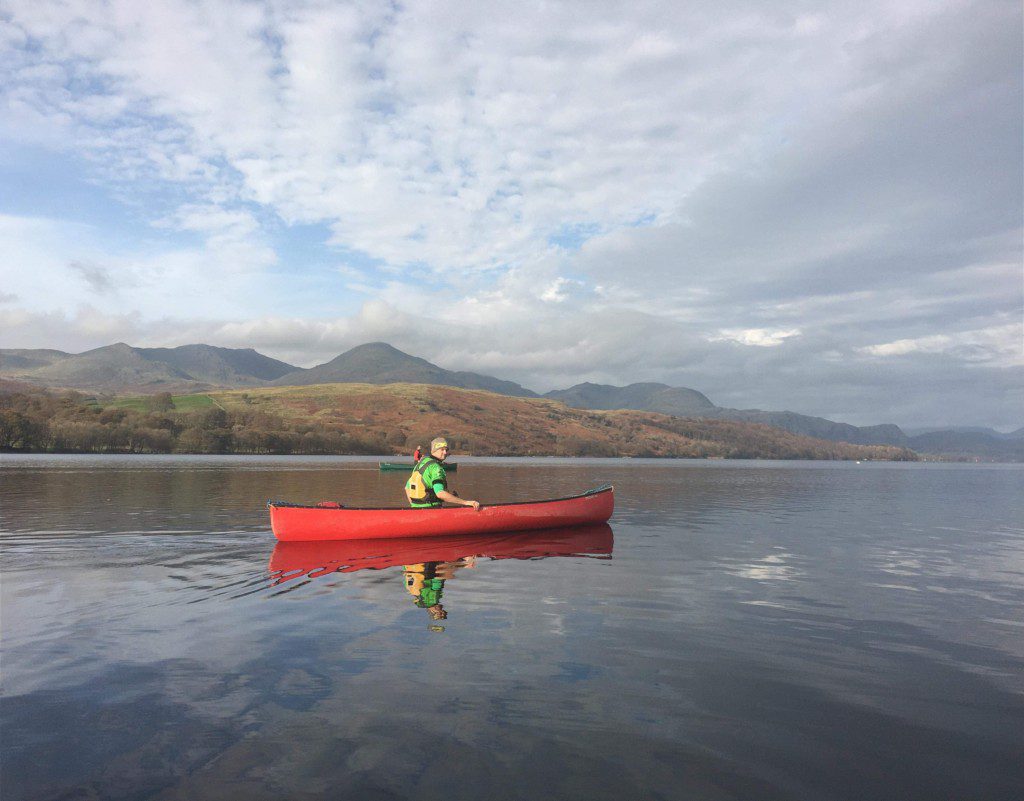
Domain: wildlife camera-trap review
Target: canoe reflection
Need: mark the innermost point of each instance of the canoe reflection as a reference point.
(292, 560)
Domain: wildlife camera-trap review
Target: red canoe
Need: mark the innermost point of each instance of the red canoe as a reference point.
(291, 560)
(297, 523)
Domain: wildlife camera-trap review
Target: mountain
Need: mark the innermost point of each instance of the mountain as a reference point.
(677, 401)
(967, 445)
(121, 368)
(112, 368)
(380, 363)
(220, 366)
(991, 432)
(683, 402)
(819, 427)
(26, 359)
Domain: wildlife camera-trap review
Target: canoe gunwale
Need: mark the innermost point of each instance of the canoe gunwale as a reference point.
(287, 505)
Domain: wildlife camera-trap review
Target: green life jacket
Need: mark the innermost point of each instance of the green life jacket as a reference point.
(417, 490)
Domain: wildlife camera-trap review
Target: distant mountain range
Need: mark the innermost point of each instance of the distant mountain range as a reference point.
(683, 402)
(380, 363)
(989, 432)
(677, 401)
(122, 369)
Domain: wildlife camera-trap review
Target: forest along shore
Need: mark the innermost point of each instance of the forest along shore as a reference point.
(385, 419)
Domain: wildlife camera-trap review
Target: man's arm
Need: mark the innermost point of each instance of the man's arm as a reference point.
(448, 497)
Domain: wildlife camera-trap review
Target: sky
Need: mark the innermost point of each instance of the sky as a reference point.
(813, 206)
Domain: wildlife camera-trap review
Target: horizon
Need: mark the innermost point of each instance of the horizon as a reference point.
(806, 207)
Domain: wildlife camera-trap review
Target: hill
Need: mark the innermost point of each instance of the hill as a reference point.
(15, 359)
(380, 363)
(220, 366)
(121, 368)
(649, 397)
(820, 427)
(991, 432)
(964, 445)
(389, 419)
(685, 402)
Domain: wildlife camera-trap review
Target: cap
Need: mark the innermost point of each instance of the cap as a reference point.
(439, 442)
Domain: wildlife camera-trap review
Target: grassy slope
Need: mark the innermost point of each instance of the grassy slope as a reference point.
(143, 403)
(484, 423)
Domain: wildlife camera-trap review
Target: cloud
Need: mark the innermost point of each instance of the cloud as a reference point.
(559, 289)
(47, 260)
(1004, 343)
(466, 146)
(75, 332)
(814, 210)
(757, 337)
(232, 237)
(98, 278)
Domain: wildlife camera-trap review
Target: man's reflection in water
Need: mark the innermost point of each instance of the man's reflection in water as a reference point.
(425, 583)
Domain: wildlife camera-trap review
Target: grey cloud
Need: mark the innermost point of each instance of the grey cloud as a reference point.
(98, 278)
(887, 221)
(923, 176)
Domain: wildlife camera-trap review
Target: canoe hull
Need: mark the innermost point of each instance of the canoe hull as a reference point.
(292, 523)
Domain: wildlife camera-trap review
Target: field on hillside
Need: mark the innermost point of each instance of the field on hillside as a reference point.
(147, 403)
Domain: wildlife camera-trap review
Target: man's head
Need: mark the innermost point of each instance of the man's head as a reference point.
(439, 447)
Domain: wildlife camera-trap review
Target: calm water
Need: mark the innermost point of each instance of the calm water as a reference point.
(743, 630)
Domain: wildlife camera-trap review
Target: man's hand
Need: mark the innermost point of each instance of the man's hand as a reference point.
(475, 505)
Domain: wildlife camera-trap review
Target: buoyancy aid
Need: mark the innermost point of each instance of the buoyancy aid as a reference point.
(417, 490)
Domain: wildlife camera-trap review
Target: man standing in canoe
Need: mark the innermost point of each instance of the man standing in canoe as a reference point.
(427, 487)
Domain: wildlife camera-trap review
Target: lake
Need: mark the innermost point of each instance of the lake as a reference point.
(740, 630)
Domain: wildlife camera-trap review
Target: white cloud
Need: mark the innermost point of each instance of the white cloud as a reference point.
(465, 144)
(1002, 344)
(233, 238)
(558, 290)
(757, 337)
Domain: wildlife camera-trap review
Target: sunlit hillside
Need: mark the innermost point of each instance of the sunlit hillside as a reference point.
(388, 419)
